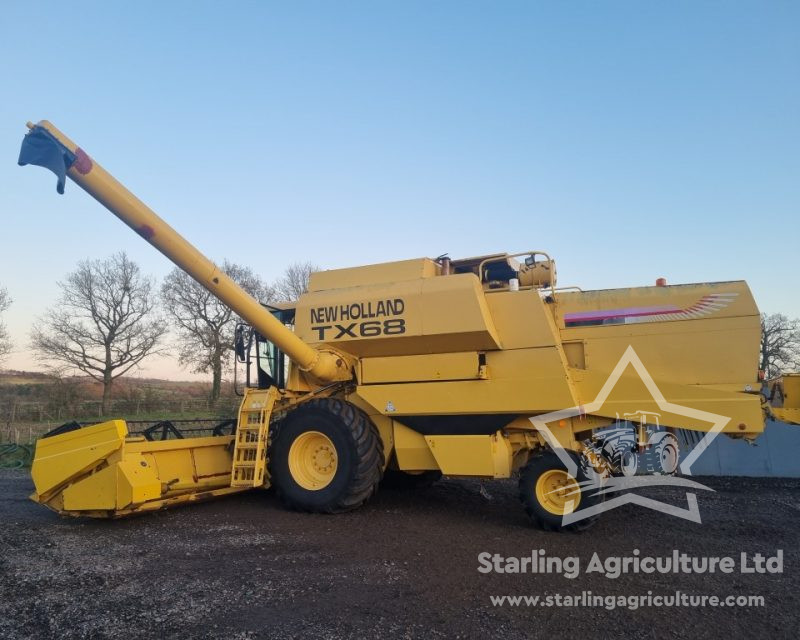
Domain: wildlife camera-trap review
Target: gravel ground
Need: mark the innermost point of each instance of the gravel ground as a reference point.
(403, 566)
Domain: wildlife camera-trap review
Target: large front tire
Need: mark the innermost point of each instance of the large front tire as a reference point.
(326, 456)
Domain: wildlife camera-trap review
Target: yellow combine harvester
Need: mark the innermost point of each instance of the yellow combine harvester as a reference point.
(414, 369)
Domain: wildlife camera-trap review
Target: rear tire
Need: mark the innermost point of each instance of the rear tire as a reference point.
(326, 456)
(545, 488)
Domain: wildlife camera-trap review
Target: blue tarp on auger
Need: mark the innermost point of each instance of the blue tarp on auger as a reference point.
(42, 149)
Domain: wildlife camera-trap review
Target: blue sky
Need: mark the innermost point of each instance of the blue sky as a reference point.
(631, 140)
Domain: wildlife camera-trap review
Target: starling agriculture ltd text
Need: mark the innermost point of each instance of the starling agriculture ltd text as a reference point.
(538, 562)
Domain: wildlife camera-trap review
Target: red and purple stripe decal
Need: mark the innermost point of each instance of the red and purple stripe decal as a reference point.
(628, 315)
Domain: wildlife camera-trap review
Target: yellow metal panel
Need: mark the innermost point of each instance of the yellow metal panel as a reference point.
(689, 347)
(211, 461)
(735, 300)
(502, 456)
(456, 397)
(522, 319)
(383, 273)
(136, 482)
(58, 458)
(439, 366)
(543, 366)
(174, 465)
(115, 487)
(630, 394)
(456, 304)
(521, 381)
(412, 450)
(575, 353)
(97, 491)
(789, 416)
(472, 455)
(700, 353)
(147, 446)
(791, 390)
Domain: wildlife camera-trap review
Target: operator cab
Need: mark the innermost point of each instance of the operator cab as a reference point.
(252, 348)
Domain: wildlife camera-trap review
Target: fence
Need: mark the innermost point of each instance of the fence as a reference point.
(30, 412)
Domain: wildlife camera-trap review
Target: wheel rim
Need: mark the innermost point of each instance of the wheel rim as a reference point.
(555, 490)
(312, 460)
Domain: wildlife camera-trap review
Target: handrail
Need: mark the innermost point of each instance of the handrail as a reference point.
(534, 252)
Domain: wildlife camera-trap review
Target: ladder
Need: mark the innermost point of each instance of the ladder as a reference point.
(250, 446)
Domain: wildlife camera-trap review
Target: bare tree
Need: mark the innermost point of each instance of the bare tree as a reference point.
(104, 324)
(204, 324)
(294, 281)
(5, 342)
(780, 344)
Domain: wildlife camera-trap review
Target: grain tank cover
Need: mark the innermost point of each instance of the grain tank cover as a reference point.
(374, 274)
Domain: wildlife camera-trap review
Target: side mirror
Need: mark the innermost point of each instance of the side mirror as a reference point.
(239, 342)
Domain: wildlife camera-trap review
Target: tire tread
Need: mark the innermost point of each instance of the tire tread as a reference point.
(364, 435)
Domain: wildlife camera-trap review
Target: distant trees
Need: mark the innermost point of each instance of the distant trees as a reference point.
(294, 281)
(204, 325)
(780, 344)
(5, 342)
(105, 322)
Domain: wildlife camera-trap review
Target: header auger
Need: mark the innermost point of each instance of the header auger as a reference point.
(407, 370)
